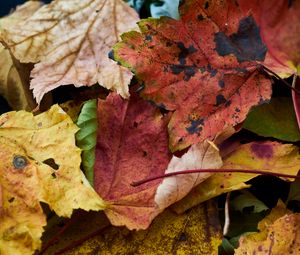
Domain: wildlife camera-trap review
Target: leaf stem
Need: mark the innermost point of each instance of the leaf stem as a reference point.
(249, 171)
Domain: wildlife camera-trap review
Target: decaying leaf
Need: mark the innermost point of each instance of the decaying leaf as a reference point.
(203, 67)
(278, 30)
(194, 232)
(266, 156)
(133, 145)
(14, 82)
(71, 40)
(40, 163)
(278, 234)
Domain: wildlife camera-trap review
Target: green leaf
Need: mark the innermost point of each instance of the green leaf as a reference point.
(247, 200)
(276, 119)
(86, 137)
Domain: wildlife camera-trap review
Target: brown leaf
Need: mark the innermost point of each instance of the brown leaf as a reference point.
(71, 39)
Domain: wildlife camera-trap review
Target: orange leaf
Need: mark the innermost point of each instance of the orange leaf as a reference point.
(203, 67)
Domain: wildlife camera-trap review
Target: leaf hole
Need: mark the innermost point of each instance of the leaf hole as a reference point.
(11, 199)
(19, 162)
(53, 175)
(51, 162)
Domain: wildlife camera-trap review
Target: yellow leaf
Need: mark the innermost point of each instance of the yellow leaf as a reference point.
(278, 234)
(194, 232)
(39, 163)
(266, 156)
(72, 39)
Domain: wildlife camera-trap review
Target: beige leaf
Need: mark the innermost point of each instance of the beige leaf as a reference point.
(72, 39)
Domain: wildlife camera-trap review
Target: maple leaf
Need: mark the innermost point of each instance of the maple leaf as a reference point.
(266, 156)
(278, 29)
(203, 67)
(278, 234)
(71, 40)
(40, 163)
(132, 144)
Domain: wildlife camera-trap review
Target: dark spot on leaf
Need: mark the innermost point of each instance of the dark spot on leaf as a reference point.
(97, 11)
(182, 237)
(246, 44)
(180, 140)
(11, 199)
(135, 124)
(51, 162)
(220, 99)
(212, 71)
(222, 186)
(148, 38)
(202, 69)
(227, 103)
(168, 44)
(195, 126)
(261, 150)
(221, 84)
(19, 162)
(145, 153)
(200, 17)
(53, 175)
(290, 3)
(188, 71)
(263, 101)
(184, 52)
(237, 109)
(206, 5)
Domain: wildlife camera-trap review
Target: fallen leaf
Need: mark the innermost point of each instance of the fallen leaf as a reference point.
(276, 119)
(40, 163)
(71, 40)
(267, 156)
(278, 30)
(14, 82)
(86, 137)
(203, 67)
(278, 234)
(133, 145)
(194, 232)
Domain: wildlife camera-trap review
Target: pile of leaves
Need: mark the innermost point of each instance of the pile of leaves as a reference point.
(171, 113)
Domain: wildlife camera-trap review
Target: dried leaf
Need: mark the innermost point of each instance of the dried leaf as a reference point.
(133, 145)
(278, 30)
(194, 232)
(71, 40)
(14, 82)
(40, 163)
(203, 67)
(266, 156)
(278, 234)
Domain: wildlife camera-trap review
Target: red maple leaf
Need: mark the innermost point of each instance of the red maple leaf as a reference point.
(203, 67)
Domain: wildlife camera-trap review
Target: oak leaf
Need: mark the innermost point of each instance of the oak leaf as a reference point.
(132, 144)
(266, 156)
(40, 163)
(203, 67)
(71, 40)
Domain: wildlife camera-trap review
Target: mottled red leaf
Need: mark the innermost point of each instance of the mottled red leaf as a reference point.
(132, 145)
(279, 22)
(203, 67)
